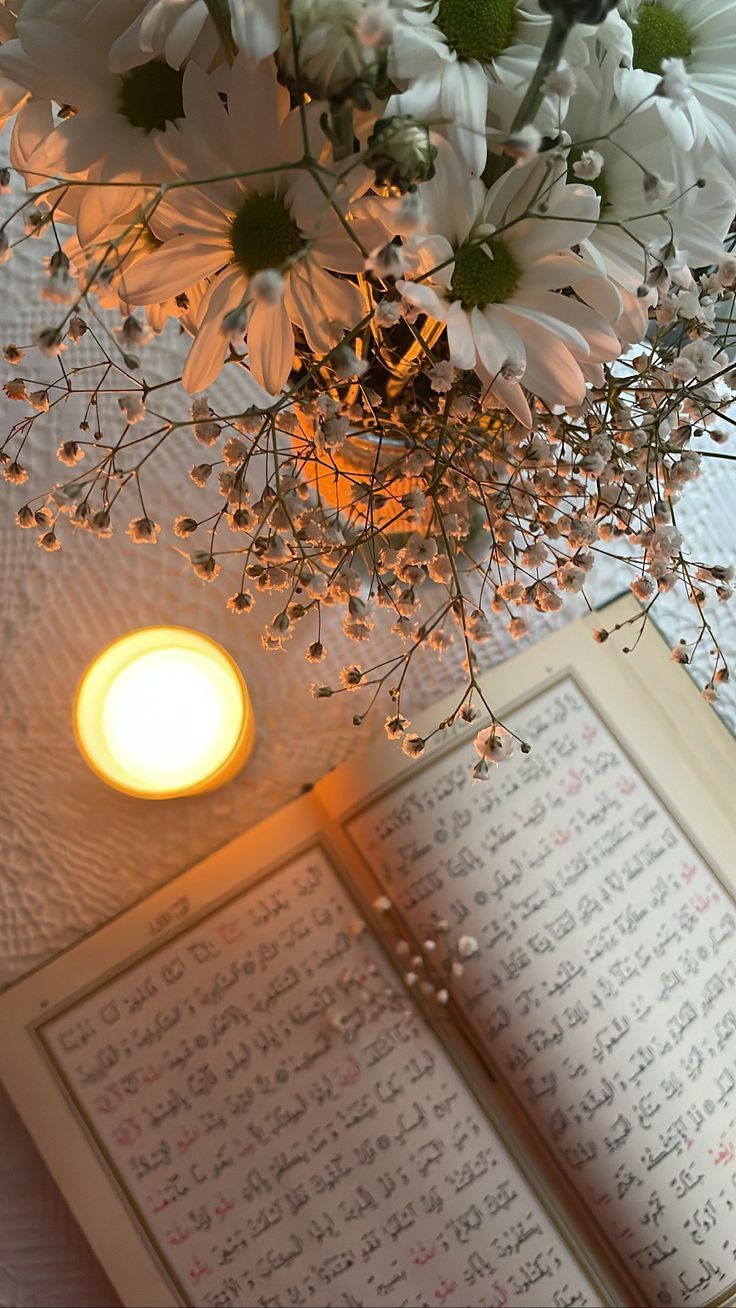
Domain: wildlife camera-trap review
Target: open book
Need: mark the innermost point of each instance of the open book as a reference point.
(245, 1103)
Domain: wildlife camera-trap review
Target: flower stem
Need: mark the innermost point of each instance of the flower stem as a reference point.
(220, 15)
(548, 61)
(343, 132)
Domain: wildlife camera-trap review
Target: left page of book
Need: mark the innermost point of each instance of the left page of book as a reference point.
(242, 1106)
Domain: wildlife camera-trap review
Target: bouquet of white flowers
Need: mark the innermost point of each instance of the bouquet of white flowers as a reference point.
(469, 260)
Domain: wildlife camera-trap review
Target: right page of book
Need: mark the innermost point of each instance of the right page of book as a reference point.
(602, 986)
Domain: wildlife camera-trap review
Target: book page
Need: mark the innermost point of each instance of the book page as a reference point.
(603, 986)
(288, 1130)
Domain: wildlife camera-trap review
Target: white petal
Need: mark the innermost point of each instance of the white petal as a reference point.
(55, 62)
(100, 207)
(435, 255)
(631, 324)
(340, 300)
(203, 107)
(602, 342)
(131, 48)
(334, 248)
(271, 346)
(211, 346)
(307, 313)
(453, 198)
(490, 349)
(189, 211)
(423, 297)
(553, 273)
(256, 106)
(76, 144)
(460, 337)
(509, 393)
(33, 124)
(322, 305)
(507, 333)
(421, 101)
(184, 34)
(463, 102)
(12, 97)
(551, 372)
(256, 28)
(602, 295)
(539, 310)
(517, 190)
(178, 264)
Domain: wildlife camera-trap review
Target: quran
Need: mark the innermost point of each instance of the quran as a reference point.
(247, 1100)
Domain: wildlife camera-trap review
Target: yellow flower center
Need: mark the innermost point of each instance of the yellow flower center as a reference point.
(263, 234)
(477, 29)
(659, 33)
(150, 95)
(480, 278)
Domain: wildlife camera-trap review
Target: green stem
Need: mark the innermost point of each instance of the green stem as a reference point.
(220, 15)
(548, 61)
(343, 132)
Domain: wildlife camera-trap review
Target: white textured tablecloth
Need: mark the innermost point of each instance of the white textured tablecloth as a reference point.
(72, 851)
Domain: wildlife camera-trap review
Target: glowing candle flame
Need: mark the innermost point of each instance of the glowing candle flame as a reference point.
(164, 711)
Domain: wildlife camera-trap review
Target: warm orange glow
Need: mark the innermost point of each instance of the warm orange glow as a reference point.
(163, 712)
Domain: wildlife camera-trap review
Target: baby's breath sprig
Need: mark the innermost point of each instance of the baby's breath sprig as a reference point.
(470, 358)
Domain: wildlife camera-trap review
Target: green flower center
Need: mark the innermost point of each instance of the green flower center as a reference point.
(263, 234)
(477, 29)
(150, 95)
(479, 279)
(659, 34)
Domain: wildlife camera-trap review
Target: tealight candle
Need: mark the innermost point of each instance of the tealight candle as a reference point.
(163, 712)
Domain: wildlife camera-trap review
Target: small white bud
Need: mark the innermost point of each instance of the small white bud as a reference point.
(561, 81)
(467, 946)
(675, 84)
(266, 286)
(589, 165)
(656, 188)
(234, 325)
(375, 26)
(524, 144)
(347, 364)
(412, 214)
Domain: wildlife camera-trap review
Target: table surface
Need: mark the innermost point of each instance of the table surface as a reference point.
(72, 851)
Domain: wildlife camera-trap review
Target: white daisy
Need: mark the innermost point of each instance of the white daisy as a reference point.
(229, 231)
(651, 194)
(703, 36)
(177, 30)
(446, 57)
(494, 276)
(60, 54)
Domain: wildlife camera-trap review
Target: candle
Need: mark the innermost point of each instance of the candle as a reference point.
(164, 712)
